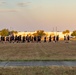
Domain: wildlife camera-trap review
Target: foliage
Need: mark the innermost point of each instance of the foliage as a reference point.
(39, 33)
(0, 32)
(4, 32)
(12, 32)
(66, 32)
(74, 33)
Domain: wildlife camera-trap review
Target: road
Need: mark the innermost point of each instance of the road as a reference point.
(37, 63)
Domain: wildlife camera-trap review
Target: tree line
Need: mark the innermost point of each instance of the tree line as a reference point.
(6, 32)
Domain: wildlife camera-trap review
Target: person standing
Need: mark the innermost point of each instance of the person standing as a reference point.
(45, 39)
(57, 38)
(50, 38)
(68, 38)
(54, 38)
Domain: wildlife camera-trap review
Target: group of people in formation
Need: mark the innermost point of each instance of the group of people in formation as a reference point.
(28, 39)
(67, 38)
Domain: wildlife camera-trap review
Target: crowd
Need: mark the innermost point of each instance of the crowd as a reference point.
(28, 39)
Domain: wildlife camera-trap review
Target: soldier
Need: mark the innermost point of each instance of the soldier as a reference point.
(57, 38)
(38, 38)
(64, 38)
(50, 38)
(68, 38)
(35, 38)
(16, 38)
(28, 39)
(44, 39)
(2, 38)
(54, 38)
(32, 38)
(11, 38)
(19, 38)
(7, 38)
(23, 39)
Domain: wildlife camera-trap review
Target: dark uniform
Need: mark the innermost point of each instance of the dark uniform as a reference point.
(23, 39)
(44, 39)
(64, 37)
(54, 38)
(38, 38)
(35, 38)
(68, 38)
(50, 38)
(57, 38)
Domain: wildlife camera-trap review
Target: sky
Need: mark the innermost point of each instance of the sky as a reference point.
(32, 15)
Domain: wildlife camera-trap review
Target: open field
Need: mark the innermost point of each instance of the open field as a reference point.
(51, 70)
(38, 51)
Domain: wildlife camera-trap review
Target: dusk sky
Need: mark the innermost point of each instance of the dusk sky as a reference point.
(31, 15)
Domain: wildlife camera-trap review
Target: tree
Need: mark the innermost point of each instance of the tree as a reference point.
(39, 33)
(0, 32)
(4, 32)
(66, 32)
(13, 32)
(73, 33)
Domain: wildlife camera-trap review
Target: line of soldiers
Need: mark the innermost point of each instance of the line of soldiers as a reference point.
(54, 38)
(20, 38)
(27, 38)
(66, 38)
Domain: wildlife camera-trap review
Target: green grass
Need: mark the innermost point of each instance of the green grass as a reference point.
(51, 70)
(38, 51)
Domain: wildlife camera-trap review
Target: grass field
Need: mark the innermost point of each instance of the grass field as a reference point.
(51, 70)
(38, 51)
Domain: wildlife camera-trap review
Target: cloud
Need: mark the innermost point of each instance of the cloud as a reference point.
(8, 10)
(23, 4)
(2, 2)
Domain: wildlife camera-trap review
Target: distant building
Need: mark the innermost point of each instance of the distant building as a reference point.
(61, 35)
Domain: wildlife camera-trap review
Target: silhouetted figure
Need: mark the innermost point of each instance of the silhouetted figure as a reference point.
(7, 39)
(64, 38)
(54, 38)
(57, 38)
(44, 39)
(11, 38)
(27, 38)
(68, 38)
(23, 39)
(50, 38)
(34, 38)
(38, 38)
(16, 38)
(19, 38)
(2, 38)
